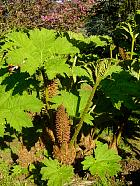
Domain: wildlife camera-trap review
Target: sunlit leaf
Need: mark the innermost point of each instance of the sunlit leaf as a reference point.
(104, 164)
(55, 173)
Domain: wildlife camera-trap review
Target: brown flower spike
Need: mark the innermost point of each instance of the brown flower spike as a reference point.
(62, 126)
(62, 150)
(52, 88)
(123, 54)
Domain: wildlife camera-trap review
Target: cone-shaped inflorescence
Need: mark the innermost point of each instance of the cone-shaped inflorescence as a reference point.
(62, 150)
(123, 54)
(62, 126)
(52, 88)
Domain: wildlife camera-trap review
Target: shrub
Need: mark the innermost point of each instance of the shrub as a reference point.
(68, 15)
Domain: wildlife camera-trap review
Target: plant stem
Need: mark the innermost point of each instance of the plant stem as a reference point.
(117, 138)
(44, 78)
(45, 88)
(120, 133)
(80, 124)
(74, 64)
(132, 48)
(111, 56)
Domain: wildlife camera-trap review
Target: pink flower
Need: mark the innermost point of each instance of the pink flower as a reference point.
(44, 18)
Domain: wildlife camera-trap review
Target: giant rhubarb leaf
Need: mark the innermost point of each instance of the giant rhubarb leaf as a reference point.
(68, 99)
(73, 103)
(55, 173)
(122, 88)
(12, 109)
(30, 53)
(96, 40)
(56, 65)
(30, 50)
(62, 46)
(104, 164)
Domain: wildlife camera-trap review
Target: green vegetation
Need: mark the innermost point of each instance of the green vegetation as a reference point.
(70, 105)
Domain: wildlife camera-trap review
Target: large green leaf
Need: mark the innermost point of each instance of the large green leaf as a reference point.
(122, 88)
(74, 104)
(55, 173)
(12, 109)
(77, 36)
(30, 50)
(56, 65)
(19, 82)
(113, 69)
(62, 46)
(69, 100)
(97, 40)
(27, 55)
(104, 164)
(80, 72)
(43, 39)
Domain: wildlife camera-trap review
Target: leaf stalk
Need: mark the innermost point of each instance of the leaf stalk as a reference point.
(80, 124)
